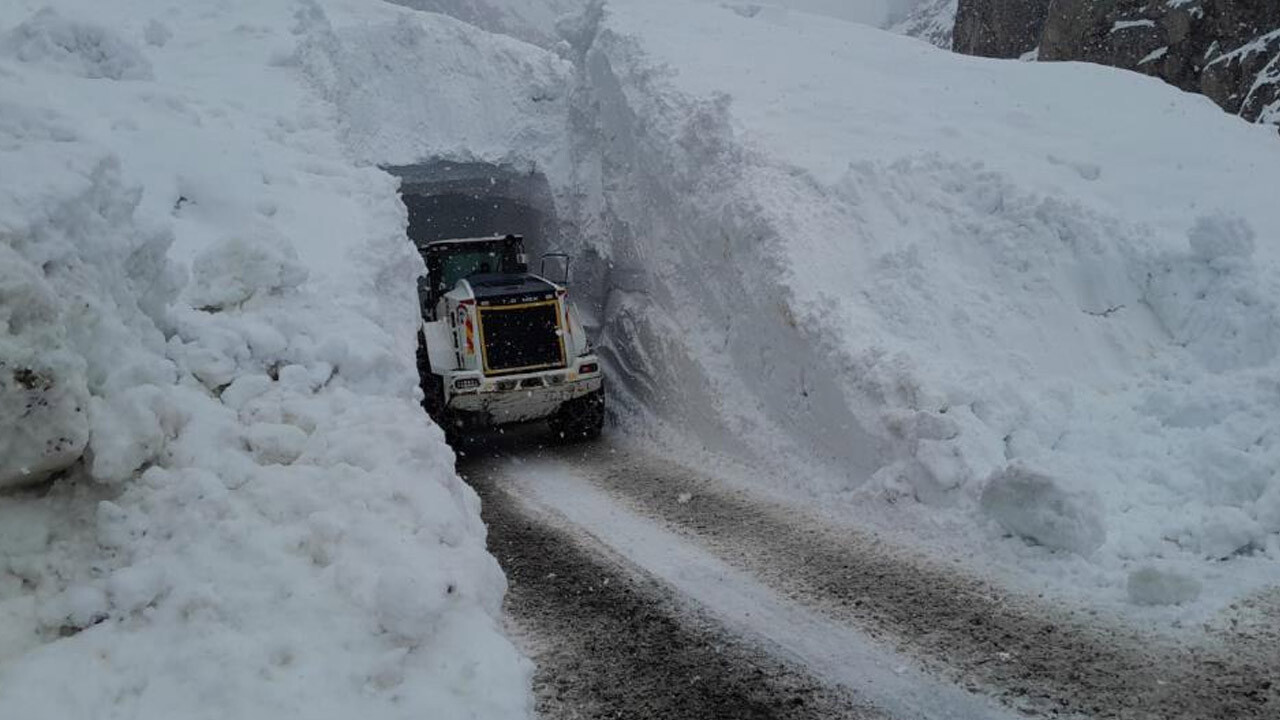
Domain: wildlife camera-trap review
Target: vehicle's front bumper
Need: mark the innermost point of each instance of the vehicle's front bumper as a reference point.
(521, 398)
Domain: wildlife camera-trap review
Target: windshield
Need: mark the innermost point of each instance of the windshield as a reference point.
(455, 267)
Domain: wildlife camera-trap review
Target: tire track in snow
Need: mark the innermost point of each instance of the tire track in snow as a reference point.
(608, 644)
(839, 654)
(1035, 658)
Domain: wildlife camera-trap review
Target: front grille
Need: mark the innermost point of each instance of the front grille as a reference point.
(521, 338)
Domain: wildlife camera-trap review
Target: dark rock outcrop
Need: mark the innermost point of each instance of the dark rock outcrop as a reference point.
(1228, 50)
(999, 28)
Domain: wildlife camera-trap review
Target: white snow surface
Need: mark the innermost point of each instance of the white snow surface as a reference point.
(946, 295)
(207, 317)
(531, 20)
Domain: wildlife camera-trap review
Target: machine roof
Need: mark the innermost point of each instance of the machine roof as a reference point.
(492, 285)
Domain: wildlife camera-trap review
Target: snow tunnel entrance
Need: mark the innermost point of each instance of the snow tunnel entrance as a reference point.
(471, 199)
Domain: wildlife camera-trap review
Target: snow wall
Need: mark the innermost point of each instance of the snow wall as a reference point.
(940, 293)
(883, 273)
(220, 496)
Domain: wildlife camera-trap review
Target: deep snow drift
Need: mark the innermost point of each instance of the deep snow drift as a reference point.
(1027, 312)
(211, 305)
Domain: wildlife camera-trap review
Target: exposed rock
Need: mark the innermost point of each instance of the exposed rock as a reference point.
(930, 20)
(1246, 80)
(1228, 50)
(999, 28)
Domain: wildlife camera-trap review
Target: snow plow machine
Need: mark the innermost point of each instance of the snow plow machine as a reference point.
(500, 345)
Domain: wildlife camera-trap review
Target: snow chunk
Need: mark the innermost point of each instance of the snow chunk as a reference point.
(244, 389)
(132, 588)
(78, 48)
(126, 432)
(44, 427)
(1218, 236)
(276, 443)
(234, 270)
(1223, 532)
(1152, 586)
(1037, 507)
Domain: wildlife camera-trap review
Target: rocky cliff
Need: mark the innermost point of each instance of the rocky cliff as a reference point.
(999, 28)
(1227, 49)
(931, 20)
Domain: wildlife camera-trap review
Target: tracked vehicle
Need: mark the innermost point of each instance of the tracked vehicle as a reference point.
(502, 345)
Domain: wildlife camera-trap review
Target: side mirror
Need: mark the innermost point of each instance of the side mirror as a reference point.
(564, 259)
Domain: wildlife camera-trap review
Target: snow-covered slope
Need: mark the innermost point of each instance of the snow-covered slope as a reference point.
(212, 305)
(931, 20)
(531, 20)
(1034, 300)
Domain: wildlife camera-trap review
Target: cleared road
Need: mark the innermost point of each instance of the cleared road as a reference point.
(643, 589)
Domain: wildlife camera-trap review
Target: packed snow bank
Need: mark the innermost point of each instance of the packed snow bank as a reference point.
(495, 99)
(41, 379)
(78, 48)
(206, 340)
(533, 21)
(946, 281)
